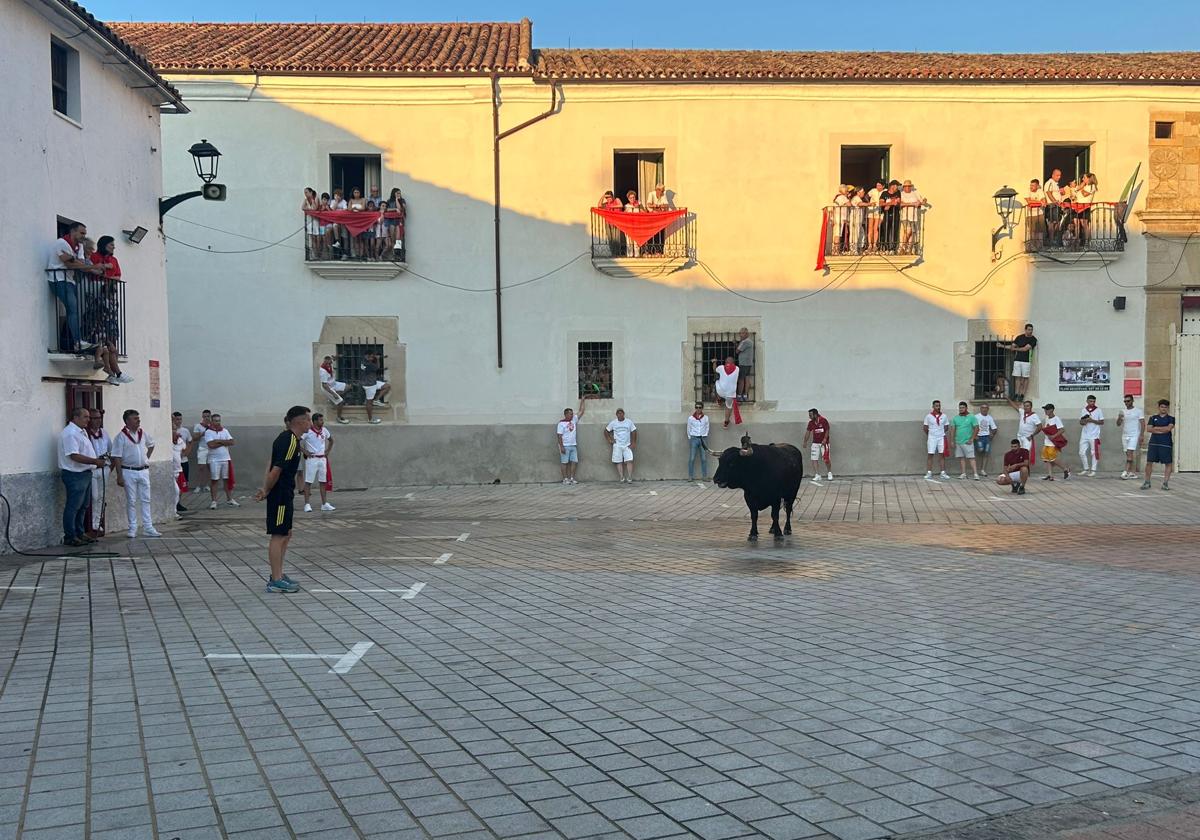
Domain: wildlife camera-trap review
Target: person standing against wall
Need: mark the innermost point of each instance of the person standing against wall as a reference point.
(101, 445)
(697, 432)
(966, 427)
(1092, 420)
(1022, 346)
(131, 451)
(1132, 423)
(622, 434)
(745, 361)
(1161, 448)
(76, 460)
(567, 433)
(935, 425)
(983, 440)
(218, 440)
(816, 440)
(317, 443)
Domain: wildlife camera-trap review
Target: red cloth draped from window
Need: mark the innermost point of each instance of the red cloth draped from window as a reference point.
(640, 227)
(821, 264)
(355, 221)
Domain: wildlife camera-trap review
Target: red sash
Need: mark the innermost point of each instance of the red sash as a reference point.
(737, 414)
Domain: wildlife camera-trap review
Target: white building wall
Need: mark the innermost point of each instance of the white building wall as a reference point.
(105, 170)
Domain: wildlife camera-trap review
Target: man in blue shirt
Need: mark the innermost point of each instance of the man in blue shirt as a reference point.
(1161, 448)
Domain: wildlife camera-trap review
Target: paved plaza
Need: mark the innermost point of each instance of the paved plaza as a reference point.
(921, 659)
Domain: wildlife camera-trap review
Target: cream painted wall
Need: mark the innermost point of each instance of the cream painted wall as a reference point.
(104, 171)
(754, 162)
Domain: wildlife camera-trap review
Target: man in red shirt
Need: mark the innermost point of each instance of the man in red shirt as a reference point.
(1016, 467)
(816, 440)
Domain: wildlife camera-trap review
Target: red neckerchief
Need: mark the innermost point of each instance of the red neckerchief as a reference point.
(937, 417)
(96, 436)
(327, 367)
(1089, 411)
(1025, 416)
(729, 369)
(131, 438)
(570, 424)
(697, 414)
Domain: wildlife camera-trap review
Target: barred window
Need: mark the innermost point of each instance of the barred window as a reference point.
(992, 379)
(711, 348)
(64, 79)
(596, 369)
(348, 360)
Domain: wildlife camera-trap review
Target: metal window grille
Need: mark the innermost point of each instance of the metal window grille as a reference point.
(596, 369)
(96, 314)
(59, 75)
(348, 360)
(992, 369)
(710, 348)
(1075, 228)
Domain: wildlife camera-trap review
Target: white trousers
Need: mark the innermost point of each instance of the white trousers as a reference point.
(137, 493)
(101, 477)
(175, 487)
(1089, 449)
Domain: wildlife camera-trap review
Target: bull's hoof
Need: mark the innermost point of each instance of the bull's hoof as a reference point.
(778, 537)
(787, 532)
(752, 538)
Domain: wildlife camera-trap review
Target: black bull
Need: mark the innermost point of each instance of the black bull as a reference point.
(768, 476)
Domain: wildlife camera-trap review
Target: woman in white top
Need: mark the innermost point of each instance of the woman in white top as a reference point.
(312, 226)
(632, 205)
(1085, 194)
(874, 214)
(726, 385)
(858, 220)
(841, 220)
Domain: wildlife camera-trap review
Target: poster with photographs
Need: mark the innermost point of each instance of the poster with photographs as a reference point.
(1083, 376)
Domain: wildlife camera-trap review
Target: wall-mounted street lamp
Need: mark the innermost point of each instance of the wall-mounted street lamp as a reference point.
(1008, 209)
(205, 157)
(136, 235)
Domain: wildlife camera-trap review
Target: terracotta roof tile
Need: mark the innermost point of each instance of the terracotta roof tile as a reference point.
(449, 48)
(732, 65)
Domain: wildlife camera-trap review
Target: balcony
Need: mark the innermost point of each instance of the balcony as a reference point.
(1080, 229)
(642, 244)
(355, 244)
(888, 238)
(84, 310)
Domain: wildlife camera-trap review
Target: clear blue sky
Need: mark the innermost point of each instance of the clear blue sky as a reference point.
(933, 25)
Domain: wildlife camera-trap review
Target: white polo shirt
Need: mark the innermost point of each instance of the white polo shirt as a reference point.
(653, 201)
(313, 442)
(569, 429)
(219, 453)
(74, 441)
(987, 424)
(936, 424)
(132, 449)
(1092, 430)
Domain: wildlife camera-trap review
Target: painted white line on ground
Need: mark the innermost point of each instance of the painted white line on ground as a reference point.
(408, 495)
(933, 481)
(476, 522)
(463, 537)
(343, 661)
(443, 559)
(722, 505)
(701, 485)
(20, 588)
(405, 594)
(406, 557)
(455, 537)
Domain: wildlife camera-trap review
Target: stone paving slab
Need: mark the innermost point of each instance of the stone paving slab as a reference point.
(596, 661)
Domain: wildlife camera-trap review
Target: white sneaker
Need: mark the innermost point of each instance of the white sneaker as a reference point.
(307, 507)
(197, 489)
(380, 403)
(566, 481)
(982, 473)
(573, 481)
(816, 479)
(375, 421)
(327, 506)
(132, 535)
(975, 477)
(962, 476)
(929, 474)
(150, 532)
(124, 378)
(943, 475)
(233, 503)
(829, 476)
(112, 380)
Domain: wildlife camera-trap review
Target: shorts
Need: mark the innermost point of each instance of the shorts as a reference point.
(279, 514)
(964, 450)
(1014, 477)
(371, 390)
(1130, 444)
(202, 454)
(1050, 453)
(569, 455)
(935, 445)
(818, 452)
(315, 470)
(1021, 369)
(218, 470)
(983, 445)
(1157, 453)
(621, 454)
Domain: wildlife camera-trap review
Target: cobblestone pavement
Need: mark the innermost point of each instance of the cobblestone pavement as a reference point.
(616, 661)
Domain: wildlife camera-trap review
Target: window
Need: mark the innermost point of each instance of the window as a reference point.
(991, 369)
(710, 348)
(348, 359)
(64, 79)
(1073, 160)
(1164, 130)
(596, 369)
(863, 165)
(638, 171)
(347, 172)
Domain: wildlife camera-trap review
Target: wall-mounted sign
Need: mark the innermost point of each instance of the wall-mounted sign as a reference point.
(155, 395)
(1083, 376)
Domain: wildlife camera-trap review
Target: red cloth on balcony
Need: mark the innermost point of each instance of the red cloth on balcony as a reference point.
(355, 221)
(821, 264)
(640, 227)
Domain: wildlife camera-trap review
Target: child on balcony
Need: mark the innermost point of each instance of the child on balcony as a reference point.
(105, 312)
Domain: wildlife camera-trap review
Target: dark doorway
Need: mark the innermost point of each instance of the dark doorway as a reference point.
(863, 165)
(637, 171)
(347, 172)
(1075, 160)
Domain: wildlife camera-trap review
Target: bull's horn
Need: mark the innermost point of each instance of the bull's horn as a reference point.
(745, 453)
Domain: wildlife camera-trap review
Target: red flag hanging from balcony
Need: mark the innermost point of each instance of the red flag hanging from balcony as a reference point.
(640, 227)
(355, 221)
(821, 245)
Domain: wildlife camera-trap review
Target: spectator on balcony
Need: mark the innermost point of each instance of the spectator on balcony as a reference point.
(104, 313)
(1035, 219)
(376, 235)
(332, 388)
(1054, 199)
(375, 389)
(656, 202)
(840, 222)
(745, 361)
(859, 208)
(1085, 195)
(911, 203)
(65, 265)
(889, 233)
(356, 201)
(340, 241)
(632, 205)
(357, 204)
(874, 215)
(395, 203)
(312, 225)
(726, 388)
(326, 232)
(608, 201)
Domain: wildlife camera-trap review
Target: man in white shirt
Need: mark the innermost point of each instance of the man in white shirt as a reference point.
(911, 203)
(697, 432)
(983, 441)
(935, 426)
(332, 387)
(181, 437)
(102, 446)
(220, 462)
(1028, 425)
(1054, 439)
(1092, 420)
(132, 448)
(567, 433)
(622, 434)
(76, 460)
(1053, 212)
(1035, 215)
(1132, 422)
(64, 263)
(201, 451)
(317, 444)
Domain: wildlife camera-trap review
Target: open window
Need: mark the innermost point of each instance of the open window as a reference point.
(348, 172)
(1074, 160)
(639, 171)
(864, 165)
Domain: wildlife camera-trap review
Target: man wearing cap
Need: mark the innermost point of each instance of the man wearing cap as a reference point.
(1092, 420)
(911, 203)
(1056, 441)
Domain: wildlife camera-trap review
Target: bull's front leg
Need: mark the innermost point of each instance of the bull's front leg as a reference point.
(775, 530)
(753, 525)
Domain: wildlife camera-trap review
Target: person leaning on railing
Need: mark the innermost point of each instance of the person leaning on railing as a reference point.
(65, 266)
(104, 304)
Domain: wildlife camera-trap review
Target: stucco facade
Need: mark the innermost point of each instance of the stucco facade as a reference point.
(869, 344)
(103, 168)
